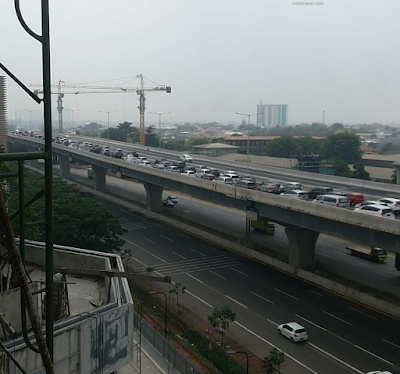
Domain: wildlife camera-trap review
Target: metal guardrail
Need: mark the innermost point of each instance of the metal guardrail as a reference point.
(176, 359)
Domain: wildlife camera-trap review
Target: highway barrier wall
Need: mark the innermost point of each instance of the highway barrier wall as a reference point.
(325, 283)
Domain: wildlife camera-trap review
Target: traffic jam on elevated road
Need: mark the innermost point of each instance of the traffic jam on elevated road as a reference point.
(335, 335)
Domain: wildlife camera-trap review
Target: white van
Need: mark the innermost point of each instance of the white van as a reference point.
(333, 200)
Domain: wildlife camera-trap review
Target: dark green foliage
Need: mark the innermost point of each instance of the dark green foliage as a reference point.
(359, 172)
(344, 146)
(272, 363)
(288, 146)
(341, 168)
(221, 317)
(78, 221)
(215, 355)
(182, 145)
(123, 132)
(394, 177)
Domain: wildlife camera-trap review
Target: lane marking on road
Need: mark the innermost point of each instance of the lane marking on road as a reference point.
(274, 346)
(305, 319)
(384, 275)
(339, 319)
(235, 301)
(217, 274)
(193, 250)
(198, 298)
(261, 297)
(187, 237)
(274, 323)
(126, 219)
(340, 253)
(232, 219)
(126, 211)
(280, 240)
(151, 254)
(148, 240)
(374, 355)
(177, 254)
(319, 294)
(166, 237)
(191, 276)
(395, 345)
(186, 211)
(332, 258)
(277, 289)
(237, 271)
(335, 358)
(365, 314)
(140, 262)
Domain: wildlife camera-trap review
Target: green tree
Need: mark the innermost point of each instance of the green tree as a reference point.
(359, 172)
(195, 140)
(394, 177)
(273, 361)
(287, 146)
(344, 146)
(92, 126)
(151, 138)
(78, 220)
(341, 168)
(178, 289)
(221, 317)
(337, 126)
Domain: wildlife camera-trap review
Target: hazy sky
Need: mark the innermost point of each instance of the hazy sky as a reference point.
(219, 56)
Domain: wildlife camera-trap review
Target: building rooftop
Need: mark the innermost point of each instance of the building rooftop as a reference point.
(262, 137)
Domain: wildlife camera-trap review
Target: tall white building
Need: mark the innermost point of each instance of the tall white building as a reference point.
(269, 115)
(3, 113)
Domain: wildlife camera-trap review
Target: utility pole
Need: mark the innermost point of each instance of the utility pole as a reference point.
(72, 116)
(323, 117)
(30, 118)
(248, 139)
(159, 130)
(108, 123)
(60, 108)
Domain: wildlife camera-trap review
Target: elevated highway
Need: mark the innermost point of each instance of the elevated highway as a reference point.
(303, 220)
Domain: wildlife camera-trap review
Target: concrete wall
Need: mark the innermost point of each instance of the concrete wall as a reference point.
(10, 306)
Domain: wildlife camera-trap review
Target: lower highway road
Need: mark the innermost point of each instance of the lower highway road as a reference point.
(331, 252)
(344, 337)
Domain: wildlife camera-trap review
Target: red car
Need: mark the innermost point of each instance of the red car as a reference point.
(355, 198)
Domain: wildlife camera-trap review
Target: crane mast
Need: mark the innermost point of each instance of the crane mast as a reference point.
(141, 91)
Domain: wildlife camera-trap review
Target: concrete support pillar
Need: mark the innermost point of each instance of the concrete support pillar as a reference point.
(154, 197)
(302, 247)
(99, 174)
(64, 167)
(55, 159)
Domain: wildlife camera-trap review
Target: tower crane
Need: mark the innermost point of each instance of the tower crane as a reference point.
(141, 91)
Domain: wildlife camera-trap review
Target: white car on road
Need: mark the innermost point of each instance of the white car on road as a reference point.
(393, 203)
(186, 158)
(188, 173)
(293, 331)
(376, 210)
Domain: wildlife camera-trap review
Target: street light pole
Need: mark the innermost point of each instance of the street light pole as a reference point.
(72, 116)
(247, 358)
(248, 139)
(108, 123)
(165, 310)
(323, 117)
(159, 130)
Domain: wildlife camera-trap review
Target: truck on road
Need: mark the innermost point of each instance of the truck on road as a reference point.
(263, 226)
(370, 253)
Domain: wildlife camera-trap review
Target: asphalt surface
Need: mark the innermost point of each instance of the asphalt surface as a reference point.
(331, 252)
(307, 182)
(344, 337)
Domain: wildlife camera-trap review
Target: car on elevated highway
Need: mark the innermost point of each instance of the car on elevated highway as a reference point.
(333, 200)
(188, 173)
(297, 194)
(245, 183)
(230, 175)
(224, 179)
(208, 176)
(159, 166)
(313, 193)
(269, 187)
(376, 210)
(186, 158)
(370, 202)
(393, 203)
